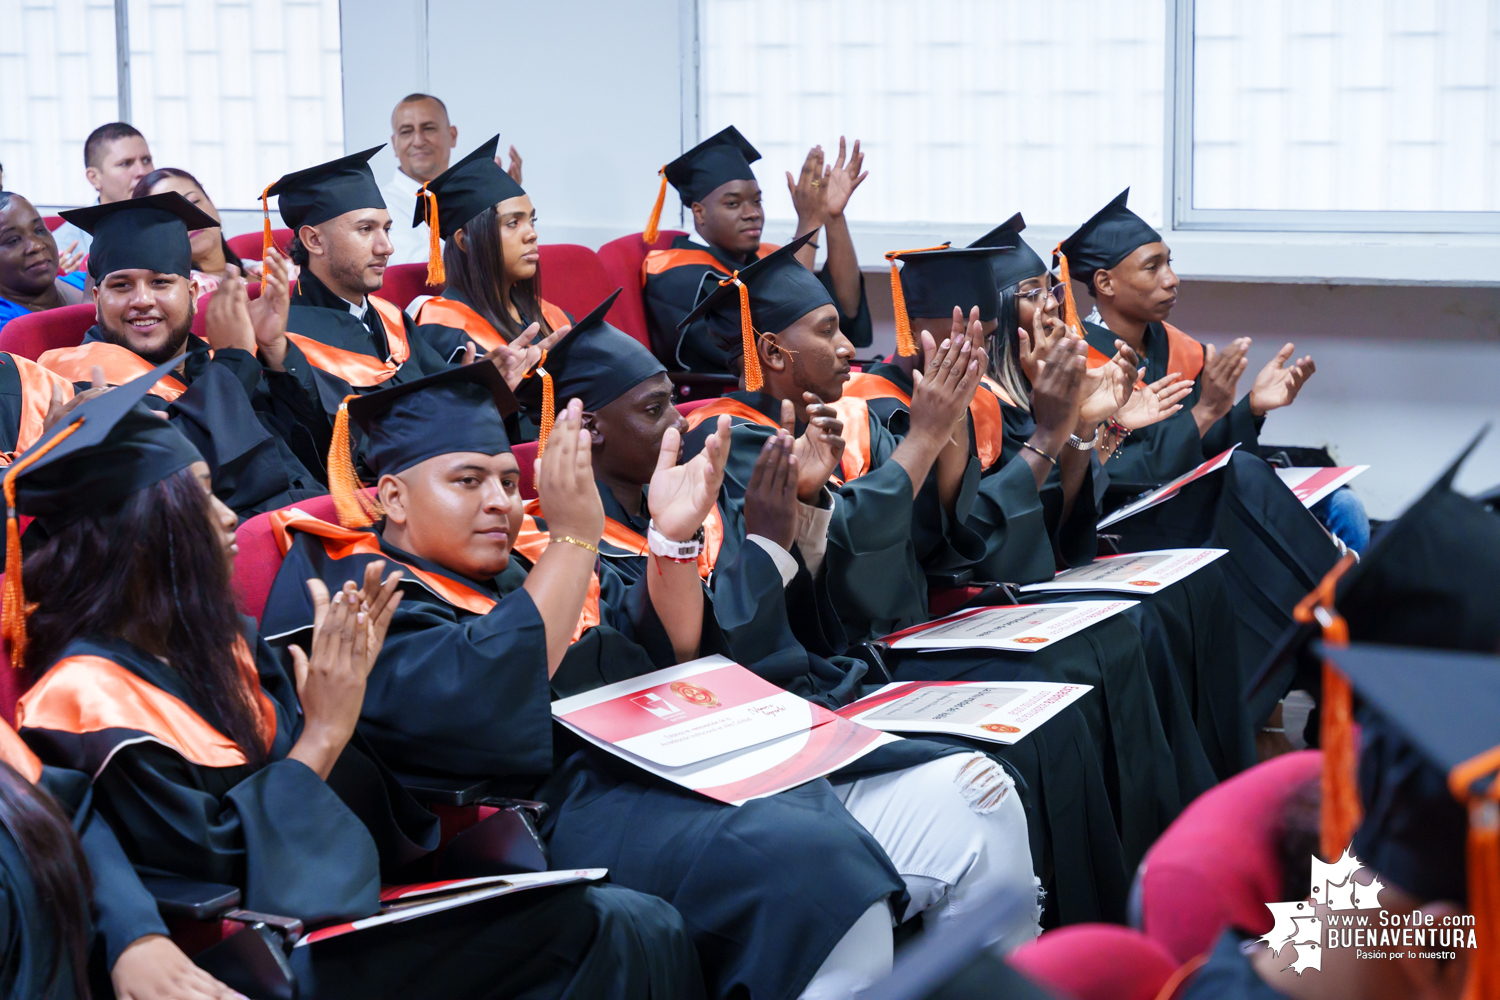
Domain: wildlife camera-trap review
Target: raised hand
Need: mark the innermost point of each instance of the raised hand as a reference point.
(515, 165)
(1277, 385)
(1221, 377)
(227, 320)
(839, 181)
(681, 496)
(807, 191)
(820, 449)
(1107, 388)
(378, 601)
(1154, 403)
(770, 509)
(565, 480)
(330, 681)
(70, 259)
(268, 313)
(153, 968)
(1055, 394)
(519, 356)
(61, 404)
(942, 393)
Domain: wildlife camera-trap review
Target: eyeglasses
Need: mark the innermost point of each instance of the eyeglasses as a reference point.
(1036, 294)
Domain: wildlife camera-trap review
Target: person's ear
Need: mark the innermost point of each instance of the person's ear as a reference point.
(591, 424)
(95, 178)
(393, 497)
(462, 238)
(1104, 284)
(700, 215)
(312, 241)
(452, 136)
(772, 357)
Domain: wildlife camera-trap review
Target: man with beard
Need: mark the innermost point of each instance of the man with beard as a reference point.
(221, 395)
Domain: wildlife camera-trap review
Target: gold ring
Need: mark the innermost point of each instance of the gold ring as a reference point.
(817, 183)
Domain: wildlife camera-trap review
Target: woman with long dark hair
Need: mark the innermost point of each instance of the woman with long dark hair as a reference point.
(213, 761)
(213, 259)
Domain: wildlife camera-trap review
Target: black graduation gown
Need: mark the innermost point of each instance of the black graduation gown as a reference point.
(457, 691)
(228, 414)
(670, 294)
(1277, 550)
(298, 846)
(1228, 975)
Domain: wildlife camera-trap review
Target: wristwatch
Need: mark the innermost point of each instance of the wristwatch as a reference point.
(661, 545)
(1074, 441)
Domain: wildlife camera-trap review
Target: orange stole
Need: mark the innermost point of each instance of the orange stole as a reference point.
(1184, 354)
(853, 411)
(120, 365)
(658, 261)
(452, 313)
(989, 425)
(87, 694)
(18, 755)
(36, 398)
(353, 367)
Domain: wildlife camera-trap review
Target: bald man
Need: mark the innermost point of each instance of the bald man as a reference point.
(422, 139)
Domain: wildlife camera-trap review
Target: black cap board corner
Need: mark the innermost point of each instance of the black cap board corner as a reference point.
(313, 195)
(467, 188)
(1108, 237)
(723, 157)
(461, 409)
(753, 275)
(149, 233)
(934, 281)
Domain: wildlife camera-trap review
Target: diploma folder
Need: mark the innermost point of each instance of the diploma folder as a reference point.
(1164, 493)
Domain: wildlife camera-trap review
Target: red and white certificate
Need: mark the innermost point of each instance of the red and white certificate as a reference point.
(1021, 628)
(1313, 484)
(1134, 573)
(718, 729)
(1164, 493)
(998, 711)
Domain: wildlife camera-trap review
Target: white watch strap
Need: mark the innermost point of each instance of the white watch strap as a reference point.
(661, 545)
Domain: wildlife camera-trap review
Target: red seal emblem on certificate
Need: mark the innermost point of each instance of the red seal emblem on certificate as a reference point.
(1143, 583)
(694, 695)
(999, 727)
(1031, 638)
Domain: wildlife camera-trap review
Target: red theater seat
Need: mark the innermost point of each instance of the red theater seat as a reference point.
(260, 557)
(623, 258)
(200, 318)
(250, 246)
(31, 335)
(1216, 865)
(53, 223)
(404, 282)
(1097, 962)
(573, 277)
(525, 453)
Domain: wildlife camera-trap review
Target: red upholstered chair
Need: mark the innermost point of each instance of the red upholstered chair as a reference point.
(200, 318)
(250, 246)
(260, 557)
(525, 453)
(623, 258)
(1216, 865)
(573, 277)
(404, 282)
(53, 223)
(1097, 962)
(31, 335)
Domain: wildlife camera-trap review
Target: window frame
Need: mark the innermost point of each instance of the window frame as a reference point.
(1178, 161)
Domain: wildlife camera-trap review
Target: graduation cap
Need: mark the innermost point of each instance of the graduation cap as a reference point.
(1429, 781)
(773, 292)
(312, 196)
(930, 283)
(109, 447)
(595, 363)
(149, 233)
(460, 409)
(1019, 265)
(1109, 237)
(719, 159)
(450, 200)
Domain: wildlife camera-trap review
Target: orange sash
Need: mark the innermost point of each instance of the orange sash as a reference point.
(87, 694)
(120, 365)
(352, 366)
(989, 425)
(853, 411)
(18, 755)
(658, 261)
(36, 399)
(452, 313)
(1185, 355)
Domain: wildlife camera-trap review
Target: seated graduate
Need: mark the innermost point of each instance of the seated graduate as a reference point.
(489, 259)
(219, 391)
(715, 181)
(973, 833)
(213, 761)
(1277, 550)
(30, 278)
(464, 683)
(1423, 804)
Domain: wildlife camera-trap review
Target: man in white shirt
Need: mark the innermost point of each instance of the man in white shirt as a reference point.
(115, 158)
(422, 139)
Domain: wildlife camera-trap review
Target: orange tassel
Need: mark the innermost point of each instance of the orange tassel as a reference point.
(1070, 307)
(266, 241)
(549, 411)
(653, 224)
(755, 379)
(906, 344)
(1483, 859)
(13, 609)
(355, 508)
(436, 275)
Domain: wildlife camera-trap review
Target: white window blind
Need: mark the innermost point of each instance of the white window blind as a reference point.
(969, 110)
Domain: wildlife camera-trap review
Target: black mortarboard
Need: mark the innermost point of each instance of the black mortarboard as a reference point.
(719, 159)
(467, 188)
(1022, 263)
(934, 281)
(313, 196)
(597, 363)
(780, 292)
(149, 233)
(1108, 238)
(1423, 713)
(108, 448)
(461, 409)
